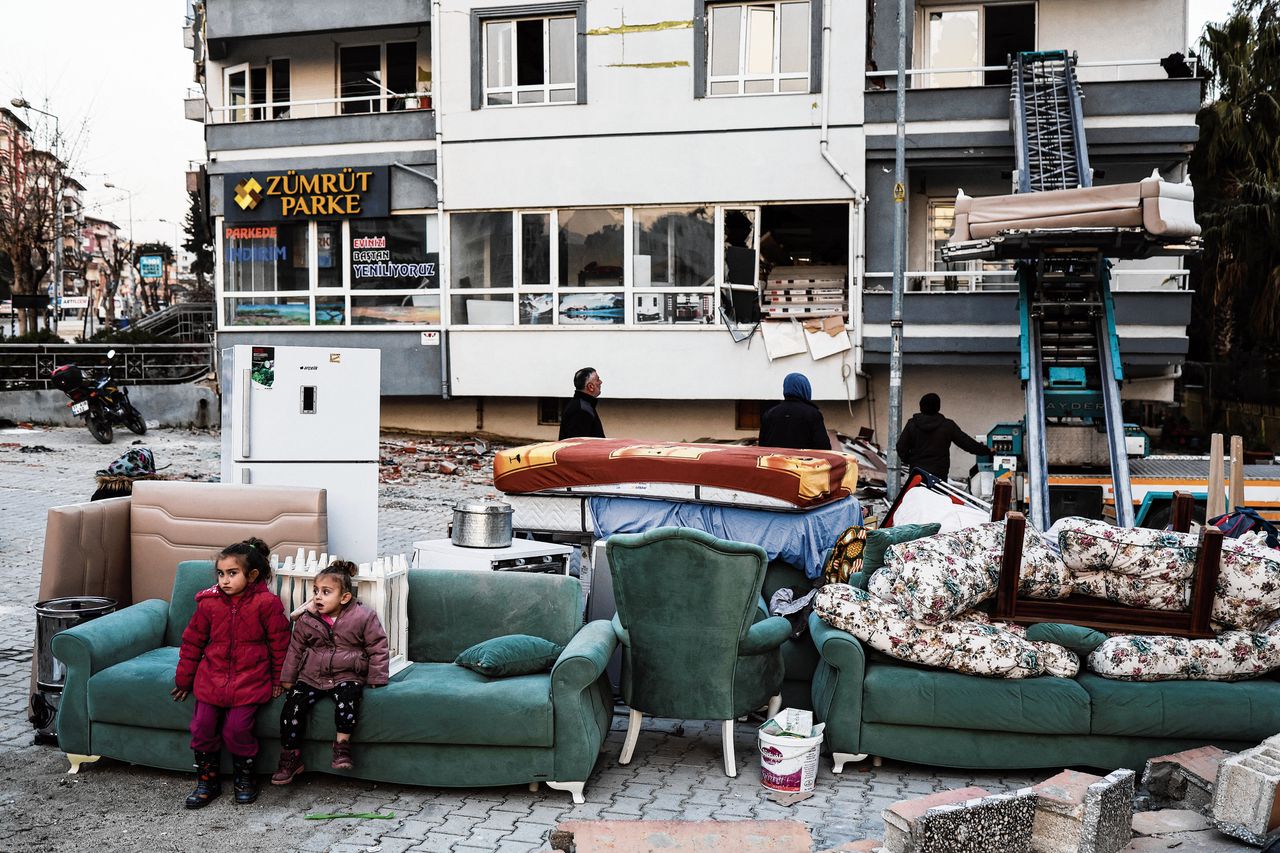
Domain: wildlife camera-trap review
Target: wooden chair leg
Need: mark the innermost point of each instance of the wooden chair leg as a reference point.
(775, 705)
(726, 736)
(633, 734)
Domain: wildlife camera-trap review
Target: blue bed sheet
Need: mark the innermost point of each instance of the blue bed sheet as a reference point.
(799, 538)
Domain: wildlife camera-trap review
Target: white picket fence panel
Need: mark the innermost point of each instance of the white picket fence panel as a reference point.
(382, 585)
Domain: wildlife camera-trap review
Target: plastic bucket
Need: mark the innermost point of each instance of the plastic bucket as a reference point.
(789, 764)
(53, 616)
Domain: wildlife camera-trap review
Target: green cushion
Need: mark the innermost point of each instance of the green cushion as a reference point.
(780, 573)
(514, 654)
(879, 542)
(907, 695)
(136, 692)
(1241, 710)
(1080, 640)
(192, 576)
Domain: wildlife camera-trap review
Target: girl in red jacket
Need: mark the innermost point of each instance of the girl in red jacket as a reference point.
(338, 647)
(231, 657)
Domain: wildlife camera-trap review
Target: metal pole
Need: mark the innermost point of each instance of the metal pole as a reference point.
(899, 257)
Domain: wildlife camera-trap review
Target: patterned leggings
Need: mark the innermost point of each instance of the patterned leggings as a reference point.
(303, 697)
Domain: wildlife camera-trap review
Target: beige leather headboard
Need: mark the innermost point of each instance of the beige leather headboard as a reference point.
(172, 521)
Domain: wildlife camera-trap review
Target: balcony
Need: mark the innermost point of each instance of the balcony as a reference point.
(971, 317)
(321, 121)
(232, 20)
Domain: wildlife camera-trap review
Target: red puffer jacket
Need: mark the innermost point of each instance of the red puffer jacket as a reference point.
(233, 649)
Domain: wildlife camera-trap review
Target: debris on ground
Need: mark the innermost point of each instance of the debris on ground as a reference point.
(406, 460)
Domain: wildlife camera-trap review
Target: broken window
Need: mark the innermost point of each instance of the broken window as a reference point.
(377, 77)
(530, 61)
(758, 48)
(970, 38)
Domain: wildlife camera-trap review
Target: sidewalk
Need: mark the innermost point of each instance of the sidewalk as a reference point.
(676, 773)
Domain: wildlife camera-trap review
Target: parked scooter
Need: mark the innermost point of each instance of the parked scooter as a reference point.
(100, 401)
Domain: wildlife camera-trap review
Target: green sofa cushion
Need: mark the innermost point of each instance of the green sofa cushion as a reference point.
(513, 654)
(192, 576)
(1080, 640)
(799, 658)
(880, 541)
(1241, 710)
(908, 695)
(426, 703)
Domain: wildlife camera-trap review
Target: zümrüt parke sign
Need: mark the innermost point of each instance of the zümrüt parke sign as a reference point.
(283, 196)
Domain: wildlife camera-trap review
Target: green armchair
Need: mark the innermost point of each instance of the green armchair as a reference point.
(697, 641)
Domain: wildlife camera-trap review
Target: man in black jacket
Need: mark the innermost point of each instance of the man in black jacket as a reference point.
(579, 418)
(926, 440)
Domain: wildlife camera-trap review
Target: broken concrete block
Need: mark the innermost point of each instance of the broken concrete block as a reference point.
(900, 818)
(1082, 813)
(949, 824)
(1246, 794)
(1185, 778)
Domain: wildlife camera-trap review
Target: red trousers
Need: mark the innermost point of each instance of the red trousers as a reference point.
(212, 728)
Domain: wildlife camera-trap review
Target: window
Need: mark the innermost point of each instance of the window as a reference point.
(530, 61)
(529, 56)
(972, 37)
(758, 48)
(358, 272)
(377, 77)
(942, 220)
(549, 409)
(591, 247)
(257, 92)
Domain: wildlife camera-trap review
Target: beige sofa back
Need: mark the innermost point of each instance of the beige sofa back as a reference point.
(129, 548)
(174, 521)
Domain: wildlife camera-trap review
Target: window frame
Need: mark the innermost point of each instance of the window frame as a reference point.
(382, 97)
(480, 18)
(266, 110)
(702, 50)
(922, 35)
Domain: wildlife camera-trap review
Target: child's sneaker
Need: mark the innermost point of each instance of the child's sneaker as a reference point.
(342, 755)
(290, 766)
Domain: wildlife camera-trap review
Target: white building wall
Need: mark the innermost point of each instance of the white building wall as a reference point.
(1103, 30)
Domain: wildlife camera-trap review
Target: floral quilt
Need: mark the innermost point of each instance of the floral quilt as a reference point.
(1230, 656)
(1129, 565)
(971, 644)
(1248, 593)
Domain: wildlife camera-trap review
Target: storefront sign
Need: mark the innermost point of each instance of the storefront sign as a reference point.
(373, 264)
(151, 266)
(307, 194)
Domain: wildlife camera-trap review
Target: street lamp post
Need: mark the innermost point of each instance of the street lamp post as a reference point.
(128, 193)
(24, 104)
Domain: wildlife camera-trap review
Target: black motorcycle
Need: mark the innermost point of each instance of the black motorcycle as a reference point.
(100, 401)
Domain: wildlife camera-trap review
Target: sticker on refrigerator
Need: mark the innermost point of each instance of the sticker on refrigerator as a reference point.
(263, 373)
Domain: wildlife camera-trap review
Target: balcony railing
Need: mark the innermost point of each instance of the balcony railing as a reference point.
(923, 78)
(986, 281)
(391, 102)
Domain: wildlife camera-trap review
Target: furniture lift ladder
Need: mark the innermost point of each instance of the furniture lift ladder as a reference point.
(1066, 311)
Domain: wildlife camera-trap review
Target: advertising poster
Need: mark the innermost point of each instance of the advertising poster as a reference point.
(263, 367)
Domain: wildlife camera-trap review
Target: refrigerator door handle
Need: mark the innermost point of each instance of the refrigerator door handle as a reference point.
(246, 383)
(246, 476)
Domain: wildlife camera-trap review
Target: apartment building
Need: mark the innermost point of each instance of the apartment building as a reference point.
(497, 193)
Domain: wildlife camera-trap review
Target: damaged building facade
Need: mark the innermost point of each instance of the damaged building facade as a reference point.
(496, 194)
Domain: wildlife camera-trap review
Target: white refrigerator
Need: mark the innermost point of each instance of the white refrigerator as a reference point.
(308, 416)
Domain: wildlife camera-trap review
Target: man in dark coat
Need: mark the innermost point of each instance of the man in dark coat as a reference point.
(926, 440)
(795, 423)
(579, 418)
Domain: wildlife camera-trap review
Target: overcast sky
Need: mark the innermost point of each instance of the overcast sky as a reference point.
(116, 76)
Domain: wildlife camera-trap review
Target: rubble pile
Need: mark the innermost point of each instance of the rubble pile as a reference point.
(404, 460)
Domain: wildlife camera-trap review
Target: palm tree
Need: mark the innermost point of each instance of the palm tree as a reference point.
(1236, 171)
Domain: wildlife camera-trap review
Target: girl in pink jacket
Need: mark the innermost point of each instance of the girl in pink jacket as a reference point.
(338, 646)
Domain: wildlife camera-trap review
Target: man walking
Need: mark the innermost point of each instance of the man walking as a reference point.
(579, 418)
(926, 440)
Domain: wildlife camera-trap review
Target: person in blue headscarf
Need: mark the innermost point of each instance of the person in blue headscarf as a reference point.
(795, 423)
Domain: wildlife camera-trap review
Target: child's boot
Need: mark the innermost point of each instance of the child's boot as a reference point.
(342, 755)
(246, 783)
(290, 766)
(208, 785)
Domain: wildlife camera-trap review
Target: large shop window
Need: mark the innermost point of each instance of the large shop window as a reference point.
(362, 272)
(758, 48)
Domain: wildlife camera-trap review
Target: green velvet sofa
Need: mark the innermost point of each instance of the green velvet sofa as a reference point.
(876, 705)
(435, 724)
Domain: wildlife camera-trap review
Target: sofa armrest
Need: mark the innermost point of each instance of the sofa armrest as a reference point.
(765, 636)
(622, 634)
(92, 647)
(837, 684)
(582, 700)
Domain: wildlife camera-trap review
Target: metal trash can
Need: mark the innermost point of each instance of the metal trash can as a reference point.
(53, 616)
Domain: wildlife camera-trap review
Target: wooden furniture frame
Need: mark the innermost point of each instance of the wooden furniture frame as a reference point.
(1103, 615)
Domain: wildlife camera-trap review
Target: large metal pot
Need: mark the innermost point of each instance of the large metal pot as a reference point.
(482, 524)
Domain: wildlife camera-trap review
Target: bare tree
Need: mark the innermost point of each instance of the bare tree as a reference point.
(115, 258)
(32, 226)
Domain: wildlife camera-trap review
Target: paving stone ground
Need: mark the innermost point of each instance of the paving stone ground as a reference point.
(676, 773)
